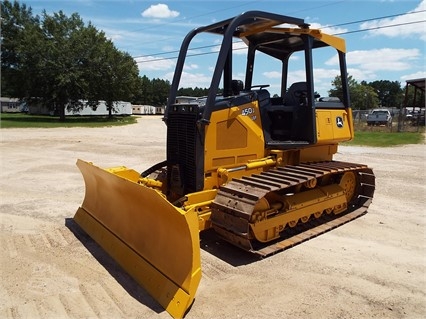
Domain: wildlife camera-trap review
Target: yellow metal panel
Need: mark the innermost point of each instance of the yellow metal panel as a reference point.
(223, 161)
(318, 153)
(154, 241)
(233, 133)
(246, 158)
(331, 40)
(323, 124)
(200, 202)
(334, 126)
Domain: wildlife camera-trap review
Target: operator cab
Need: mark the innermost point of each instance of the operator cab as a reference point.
(288, 117)
(281, 116)
(284, 119)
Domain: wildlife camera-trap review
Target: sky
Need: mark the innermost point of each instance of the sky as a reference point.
(385, 39)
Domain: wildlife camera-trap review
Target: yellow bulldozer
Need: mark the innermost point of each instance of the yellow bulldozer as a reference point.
(256, 168)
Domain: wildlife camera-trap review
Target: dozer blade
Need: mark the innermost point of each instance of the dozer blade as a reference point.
(155, 242)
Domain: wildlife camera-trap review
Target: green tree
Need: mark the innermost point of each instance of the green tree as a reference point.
(16, 20)
(114, 76)
(61, 83)
(361, 96)
(197, 92)
(389, 93)
(143, 92)
(337, 91)
(161, 89)
(59, 61)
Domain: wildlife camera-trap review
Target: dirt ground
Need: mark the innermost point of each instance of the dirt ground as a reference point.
(373, 267)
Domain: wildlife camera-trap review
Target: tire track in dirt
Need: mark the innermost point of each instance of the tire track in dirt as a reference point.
(51, 307)
(101, 301)
(76, 305)
(10, 247)
(44, 275)
(48, 249)
(213, 271)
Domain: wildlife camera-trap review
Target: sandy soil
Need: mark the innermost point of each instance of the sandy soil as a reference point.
(373, 267)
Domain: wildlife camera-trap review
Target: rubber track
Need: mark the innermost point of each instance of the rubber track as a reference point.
(239, 196)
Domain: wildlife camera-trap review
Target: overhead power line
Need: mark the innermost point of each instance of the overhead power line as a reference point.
(381, 27)
(341, 33)
(226, 9)
(378, 18)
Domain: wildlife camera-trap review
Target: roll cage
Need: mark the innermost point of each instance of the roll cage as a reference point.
(264, 32)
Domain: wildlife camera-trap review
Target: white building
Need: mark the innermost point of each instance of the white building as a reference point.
(12, 105)
(121, 108)
(147, 109)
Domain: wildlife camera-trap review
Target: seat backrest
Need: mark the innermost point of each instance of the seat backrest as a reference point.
(263, 97)
(296, 94)
(237, 86)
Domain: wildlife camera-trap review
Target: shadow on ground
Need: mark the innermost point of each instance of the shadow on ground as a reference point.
(127, 282)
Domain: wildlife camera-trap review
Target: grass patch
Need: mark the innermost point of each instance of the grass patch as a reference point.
(379, 137)
(22, 120)
(386, 139)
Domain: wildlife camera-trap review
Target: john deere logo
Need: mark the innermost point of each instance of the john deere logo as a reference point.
(339, 122)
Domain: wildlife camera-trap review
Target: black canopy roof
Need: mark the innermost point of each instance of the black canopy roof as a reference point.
(418, 83)
(269, 33)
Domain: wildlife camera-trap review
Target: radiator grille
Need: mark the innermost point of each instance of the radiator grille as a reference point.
(181, 145)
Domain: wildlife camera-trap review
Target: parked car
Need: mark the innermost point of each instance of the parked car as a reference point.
(416, 117)
(379, 117)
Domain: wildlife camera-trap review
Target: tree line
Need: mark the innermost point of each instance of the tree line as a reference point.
(58, 61)
(364, 96)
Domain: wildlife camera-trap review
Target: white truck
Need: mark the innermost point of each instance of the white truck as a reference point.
(379, 117)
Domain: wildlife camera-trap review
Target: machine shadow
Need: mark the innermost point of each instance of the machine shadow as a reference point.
(214, 245)
(113, 268)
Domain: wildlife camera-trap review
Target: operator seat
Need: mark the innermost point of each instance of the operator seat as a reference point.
(296, 94)
(237, 86)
